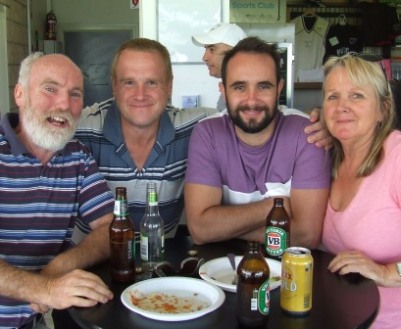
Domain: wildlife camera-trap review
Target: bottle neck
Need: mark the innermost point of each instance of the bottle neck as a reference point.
(152, 205)
(120, 208)
(278, 202)
(253, 246)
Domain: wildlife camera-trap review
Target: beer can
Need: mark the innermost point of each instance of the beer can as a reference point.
(296, 281)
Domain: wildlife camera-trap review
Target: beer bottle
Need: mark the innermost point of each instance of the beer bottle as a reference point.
(152, 231)
(122, 240)
(277, 234)
(253, 288)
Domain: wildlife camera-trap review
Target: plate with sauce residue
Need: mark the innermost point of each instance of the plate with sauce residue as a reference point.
(219, 272)
(172, 298)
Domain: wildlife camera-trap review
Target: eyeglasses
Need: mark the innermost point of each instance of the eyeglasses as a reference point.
(369, 57)
(189, 267)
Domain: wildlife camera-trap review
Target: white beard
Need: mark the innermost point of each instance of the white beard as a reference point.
(43, 135)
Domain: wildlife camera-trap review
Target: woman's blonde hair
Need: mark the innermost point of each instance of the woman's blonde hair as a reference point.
(364, 71)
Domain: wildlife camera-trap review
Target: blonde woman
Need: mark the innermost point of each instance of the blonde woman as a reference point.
(363, 218)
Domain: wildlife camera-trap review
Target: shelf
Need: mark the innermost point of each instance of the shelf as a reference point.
(307, 85)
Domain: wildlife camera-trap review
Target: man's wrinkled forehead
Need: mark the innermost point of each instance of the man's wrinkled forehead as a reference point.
(57, 70)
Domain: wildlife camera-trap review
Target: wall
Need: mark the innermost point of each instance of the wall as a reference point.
(94, 14)
(189, 79)
(17, 41)
(37, 21)
(17, 36)
(4, 92)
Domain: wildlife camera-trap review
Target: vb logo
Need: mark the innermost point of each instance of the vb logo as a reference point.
(273, 240)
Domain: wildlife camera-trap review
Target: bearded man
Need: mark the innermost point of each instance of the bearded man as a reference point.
(47, 181)
(238, 163)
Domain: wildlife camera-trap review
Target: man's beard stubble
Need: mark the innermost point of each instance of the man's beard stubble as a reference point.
(251, 127)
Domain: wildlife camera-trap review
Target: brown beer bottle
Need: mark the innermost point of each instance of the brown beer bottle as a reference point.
(122, 240)
(253, 288)
(277, 234)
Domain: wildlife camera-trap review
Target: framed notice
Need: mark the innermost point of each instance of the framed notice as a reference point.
(179, 20)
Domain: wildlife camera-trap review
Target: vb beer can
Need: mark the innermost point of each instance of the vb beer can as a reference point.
(296, 281)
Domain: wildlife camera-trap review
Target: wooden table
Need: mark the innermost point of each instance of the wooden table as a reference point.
(337, 302)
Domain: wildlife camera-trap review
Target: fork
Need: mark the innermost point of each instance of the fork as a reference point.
(231, 258)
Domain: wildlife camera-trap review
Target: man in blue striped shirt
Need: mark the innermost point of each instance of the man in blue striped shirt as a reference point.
(47, 181)
(136, 138)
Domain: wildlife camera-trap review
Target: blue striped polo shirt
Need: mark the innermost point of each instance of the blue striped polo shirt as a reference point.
(39, 205)
(100, 130)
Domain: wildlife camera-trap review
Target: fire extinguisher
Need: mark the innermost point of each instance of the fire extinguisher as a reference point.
(51, 21)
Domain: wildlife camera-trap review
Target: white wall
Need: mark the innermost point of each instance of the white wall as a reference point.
(195, 80)
(189, 79)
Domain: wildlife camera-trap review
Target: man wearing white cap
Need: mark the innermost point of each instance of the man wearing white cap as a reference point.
(220, 39)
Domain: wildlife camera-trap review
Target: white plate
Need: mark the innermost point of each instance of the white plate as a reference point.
(219, 272)
(177, 286)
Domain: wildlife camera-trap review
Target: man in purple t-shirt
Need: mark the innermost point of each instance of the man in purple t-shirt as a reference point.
(238, 163)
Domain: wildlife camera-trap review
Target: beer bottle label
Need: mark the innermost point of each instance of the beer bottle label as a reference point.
(129, 250)
(264, 298)
(117, 207)
(133, 248)
(152, 199)
(120, 208)
(276, 241)
(144, 247)
(254, 300)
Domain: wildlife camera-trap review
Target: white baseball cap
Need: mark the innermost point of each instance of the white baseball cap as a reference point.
(229, 34)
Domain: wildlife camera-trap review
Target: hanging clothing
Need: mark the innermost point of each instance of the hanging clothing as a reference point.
(380, 24)
(310, 36)
(342, 39)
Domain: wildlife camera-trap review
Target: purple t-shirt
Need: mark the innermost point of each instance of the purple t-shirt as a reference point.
(247, 174)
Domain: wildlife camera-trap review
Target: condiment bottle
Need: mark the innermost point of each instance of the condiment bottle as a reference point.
(152, 231)
(122, 240)
(277, 234)
(253, 287)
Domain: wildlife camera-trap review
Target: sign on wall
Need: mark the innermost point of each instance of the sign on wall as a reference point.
(256, 11)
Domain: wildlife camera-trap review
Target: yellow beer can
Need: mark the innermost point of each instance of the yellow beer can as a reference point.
(296, 281)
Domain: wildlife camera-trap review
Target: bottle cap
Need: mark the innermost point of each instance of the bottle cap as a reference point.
(192, 252)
